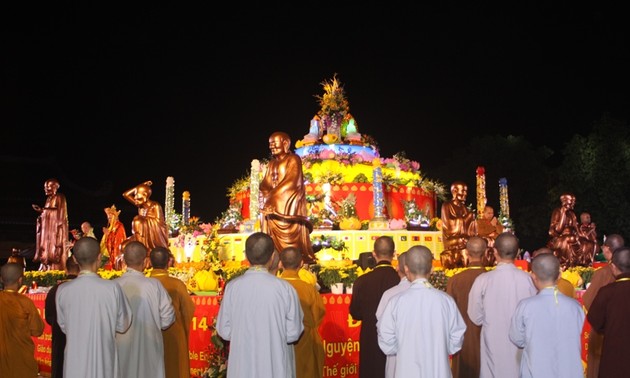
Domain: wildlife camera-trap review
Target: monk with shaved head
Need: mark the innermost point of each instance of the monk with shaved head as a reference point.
(548, 326)
(19, 321)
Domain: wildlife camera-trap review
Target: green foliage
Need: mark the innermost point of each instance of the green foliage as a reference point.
(596, 169)
(361, 178)
(238, 186)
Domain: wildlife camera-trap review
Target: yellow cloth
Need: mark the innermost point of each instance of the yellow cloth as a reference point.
(176, 337)
(19, 320)
(309, 350)
(566, 287)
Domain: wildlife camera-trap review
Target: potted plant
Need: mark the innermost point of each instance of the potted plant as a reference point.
(349, 275)
(331, 277)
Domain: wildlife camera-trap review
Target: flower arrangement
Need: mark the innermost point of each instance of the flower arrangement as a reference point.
(193, 227)
(218, 354)
(435, 224)
(400, 162)
(438, 279)
(433, 186)
(350, 274)
(506, 222)
(239, 185)
(413, 215)
(322, 241)
(330, 275)
(43, 279)
(211, 247)
(109, 274)
(187, 232)
(344, 157)
(232, 217)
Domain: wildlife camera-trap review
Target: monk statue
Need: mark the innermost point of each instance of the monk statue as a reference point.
(458, 224)
(587, 236)
(149, 226)
(489, 227)
(284, 215)
(113, 237)
(52, 234)
(563, 232)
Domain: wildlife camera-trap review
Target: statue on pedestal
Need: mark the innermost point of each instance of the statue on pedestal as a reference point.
(458, 224)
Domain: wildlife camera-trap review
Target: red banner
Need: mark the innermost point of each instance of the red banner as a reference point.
(340, 334)
(43, 343)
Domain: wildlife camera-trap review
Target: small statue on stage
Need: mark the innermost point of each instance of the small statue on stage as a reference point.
(563, 230)
(113, 237)
(458, 224)
(284, 215)
(587, 236)
(149, 226)
(489, 227)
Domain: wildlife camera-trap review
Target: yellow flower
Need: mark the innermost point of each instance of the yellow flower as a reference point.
(573, 277)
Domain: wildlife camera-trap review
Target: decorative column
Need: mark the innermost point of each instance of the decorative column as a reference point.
(503, 197)
(378, 222)
(169, 205)
(481, 191)
(253, 223)
(186, 208)
(254, 190)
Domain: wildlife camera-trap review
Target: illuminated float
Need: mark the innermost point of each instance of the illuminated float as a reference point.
(340, 167)
(353, 193)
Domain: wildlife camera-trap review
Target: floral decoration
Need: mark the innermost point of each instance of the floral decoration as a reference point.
(400, 162)
(322, 241)
(350, 274)
(330, 275)
(218, 354)
(232, 217)
(413, 215)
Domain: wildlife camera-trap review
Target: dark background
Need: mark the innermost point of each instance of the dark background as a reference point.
(104, 98)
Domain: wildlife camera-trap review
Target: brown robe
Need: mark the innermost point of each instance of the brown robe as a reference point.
(309, 350)
(19, 320)
(176, 337)
(366, 295)
(608, 315)
(466, 362)
(601, 278)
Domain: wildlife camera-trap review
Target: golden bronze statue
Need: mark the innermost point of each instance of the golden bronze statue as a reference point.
(284, 215)
(52, 233)
(149, 226)
(489, 227)
(458, 224)
(563, 230)
(587, 236)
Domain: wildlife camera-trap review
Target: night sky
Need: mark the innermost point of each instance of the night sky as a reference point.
(104, 99)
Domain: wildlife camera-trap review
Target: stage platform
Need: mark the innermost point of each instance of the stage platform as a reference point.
(355, 241)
